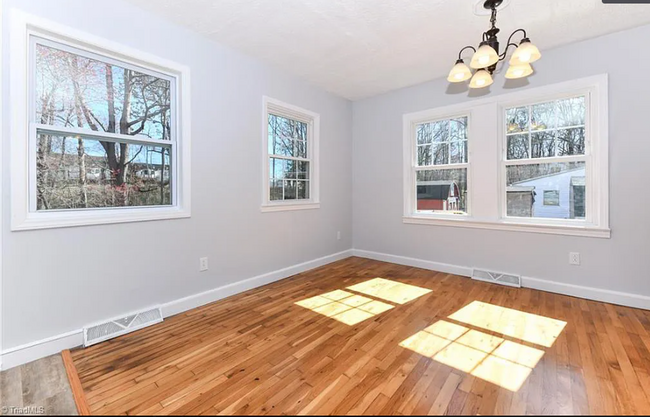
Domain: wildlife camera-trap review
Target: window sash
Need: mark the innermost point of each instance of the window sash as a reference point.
(36, 129)
(41, 39)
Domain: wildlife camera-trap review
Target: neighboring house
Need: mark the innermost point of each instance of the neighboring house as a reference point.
(438, 195)
(559, 196)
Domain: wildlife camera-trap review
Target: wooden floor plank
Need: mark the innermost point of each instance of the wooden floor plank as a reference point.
(260, 353)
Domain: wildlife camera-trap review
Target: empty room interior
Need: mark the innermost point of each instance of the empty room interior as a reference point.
(317, 207)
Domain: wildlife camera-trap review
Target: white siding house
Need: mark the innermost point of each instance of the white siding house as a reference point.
(559, 196)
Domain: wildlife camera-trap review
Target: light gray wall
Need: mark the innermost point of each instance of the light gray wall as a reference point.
(620, 263)
(61, 279)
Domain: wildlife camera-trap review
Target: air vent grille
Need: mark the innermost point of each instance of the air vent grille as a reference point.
(497, 278)
(119, 326)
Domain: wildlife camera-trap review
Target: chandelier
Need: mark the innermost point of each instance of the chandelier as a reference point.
(485, 58)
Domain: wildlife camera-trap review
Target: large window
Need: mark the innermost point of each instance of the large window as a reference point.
(534, 160)
(545, 157)
(440, 168)
(83, 108)
(291, 157)
(102, 135)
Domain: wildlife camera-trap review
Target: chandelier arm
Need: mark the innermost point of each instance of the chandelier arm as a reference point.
(463, 50)
(513, 34)
(505, 51)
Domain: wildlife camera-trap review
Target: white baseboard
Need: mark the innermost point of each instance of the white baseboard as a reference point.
(418, 263)
(197, 300)
(39, 349)
(589, 293)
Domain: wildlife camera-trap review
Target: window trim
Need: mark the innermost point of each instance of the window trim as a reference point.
(277, 107)
(597, 226)
(23, 28)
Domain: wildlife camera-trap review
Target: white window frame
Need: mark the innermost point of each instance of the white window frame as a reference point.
(312, 119)
(24, 29)
(411, 161)
(487, 193)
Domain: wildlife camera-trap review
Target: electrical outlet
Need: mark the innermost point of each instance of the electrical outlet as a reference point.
(203, 264)
(338, 235)
(574, 258)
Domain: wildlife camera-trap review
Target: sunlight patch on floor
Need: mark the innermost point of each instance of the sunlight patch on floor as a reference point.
(393, 291)
(532, 328)
(491, 358)
(345, 307)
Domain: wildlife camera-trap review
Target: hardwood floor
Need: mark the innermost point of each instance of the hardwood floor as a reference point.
(261, 353)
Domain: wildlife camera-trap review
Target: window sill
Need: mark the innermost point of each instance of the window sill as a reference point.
(513, 225)
(58, 219)
(271, 207)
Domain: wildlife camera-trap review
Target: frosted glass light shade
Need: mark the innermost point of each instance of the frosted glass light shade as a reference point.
(484, 57)
(481, 79)
(518, 71)
(526, 53)
(459, 73)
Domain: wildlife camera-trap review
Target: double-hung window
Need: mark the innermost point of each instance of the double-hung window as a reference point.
(440, 166)
(101, 137)
(547, 161)
(534, 160)
(290, 157)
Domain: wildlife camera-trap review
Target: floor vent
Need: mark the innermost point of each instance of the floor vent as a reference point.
(497, 277)
(117, 327)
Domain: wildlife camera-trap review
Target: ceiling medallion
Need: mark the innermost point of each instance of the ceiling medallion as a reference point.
(485, 58)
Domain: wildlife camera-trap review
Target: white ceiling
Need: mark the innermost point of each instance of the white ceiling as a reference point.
(360, 48)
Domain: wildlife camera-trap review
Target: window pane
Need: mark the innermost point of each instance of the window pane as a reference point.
(276, 190)
(283, 168)
(424, 155)
(300, 149)
(75, 91)
(290, 190)
(458, 152)
(276, 168)
(433, 132)
(303, 190)
(441, 190)
(303, 170)
(517, 120)
(571, 141)
(440, 153)
(571, 112)
(77, 173)
(288, 137)
(458, 129)
(526, 185)
(543, 116)
(543, 144)
(442, 142)
(518, 147)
